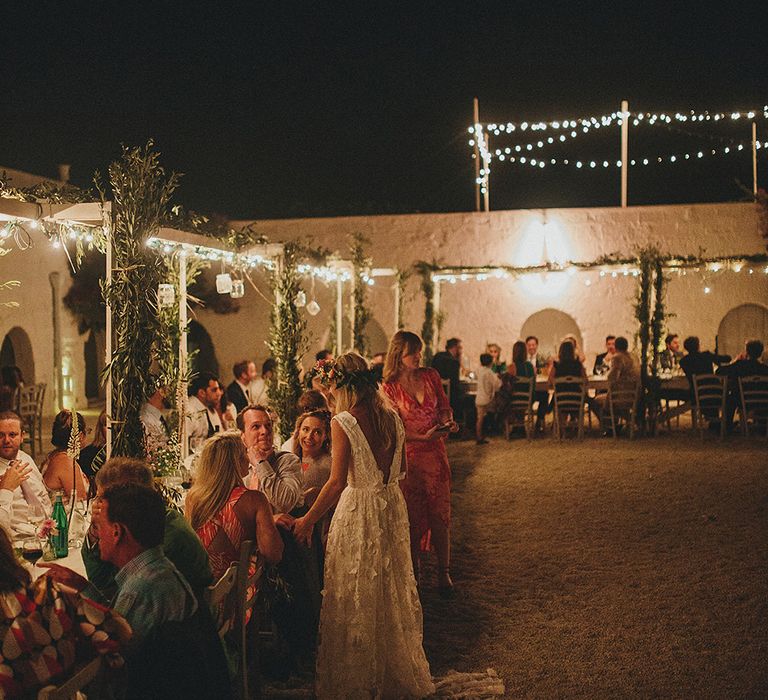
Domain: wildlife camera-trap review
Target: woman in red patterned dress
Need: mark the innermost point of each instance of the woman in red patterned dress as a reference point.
(417, 393)
(223, 512)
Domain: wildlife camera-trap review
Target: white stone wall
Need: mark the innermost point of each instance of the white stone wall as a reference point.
(34, 315)
(495, 310)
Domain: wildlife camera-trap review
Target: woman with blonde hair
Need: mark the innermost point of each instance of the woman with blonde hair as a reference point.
(222, 511)
(417, 393)
(371, 615)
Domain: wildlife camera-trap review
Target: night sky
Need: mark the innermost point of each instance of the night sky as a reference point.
(278, 109)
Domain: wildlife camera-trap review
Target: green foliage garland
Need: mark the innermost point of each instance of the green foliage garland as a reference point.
(402, 283)
(426, 269)
(287, 339)
(361, 268)
(141, 191)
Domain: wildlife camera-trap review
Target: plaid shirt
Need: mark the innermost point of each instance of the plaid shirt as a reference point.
(151, 591)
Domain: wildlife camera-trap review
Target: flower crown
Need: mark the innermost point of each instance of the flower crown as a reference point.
(327, 372)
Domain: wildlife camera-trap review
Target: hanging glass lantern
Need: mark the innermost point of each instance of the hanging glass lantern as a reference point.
(313, 308)
(166, 295)
(238, 289)
(224, 283)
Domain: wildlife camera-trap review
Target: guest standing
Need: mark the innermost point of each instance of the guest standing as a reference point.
(488, 383)
(448, 366)
(418, 395)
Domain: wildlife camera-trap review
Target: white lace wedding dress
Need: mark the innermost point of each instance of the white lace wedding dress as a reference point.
(371, 620)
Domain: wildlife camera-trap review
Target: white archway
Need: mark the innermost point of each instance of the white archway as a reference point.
(742, 323)
(550, 326)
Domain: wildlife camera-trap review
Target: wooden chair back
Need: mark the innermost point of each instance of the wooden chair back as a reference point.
(78, 681)
(622, 403)
(570, 395)
(518, 412)
(753, 398)
(249, 572)
(221, 599)
(710, 392)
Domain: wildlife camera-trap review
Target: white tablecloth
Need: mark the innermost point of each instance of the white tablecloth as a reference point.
(73, 561)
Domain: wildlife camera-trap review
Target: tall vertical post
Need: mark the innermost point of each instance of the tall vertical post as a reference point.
(339, 313)
(58, 384)
(182, 388)
(624, 150)
(397, 305)
(487, 176)
(476, 117)
(754, 159)
(436, 307)
(107, 223)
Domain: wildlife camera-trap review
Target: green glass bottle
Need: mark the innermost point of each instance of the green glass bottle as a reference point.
(59, 542)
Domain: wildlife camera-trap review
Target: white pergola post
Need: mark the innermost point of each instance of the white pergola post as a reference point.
(624, 150)
(339, 315)
(181, 398)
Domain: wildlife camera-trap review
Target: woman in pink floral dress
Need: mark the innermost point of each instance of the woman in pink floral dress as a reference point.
(417, 393)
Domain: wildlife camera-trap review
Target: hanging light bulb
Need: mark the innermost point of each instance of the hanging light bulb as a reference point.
(166, 295)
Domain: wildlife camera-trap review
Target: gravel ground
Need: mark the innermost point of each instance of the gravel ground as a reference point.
(608, 568)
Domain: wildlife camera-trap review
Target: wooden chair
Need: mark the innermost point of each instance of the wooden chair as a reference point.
(570, 396)
(519, 411)
(90, 674)
(753, 398)
(710, 391)
(221, 600)
(249, 571)
(622, 403)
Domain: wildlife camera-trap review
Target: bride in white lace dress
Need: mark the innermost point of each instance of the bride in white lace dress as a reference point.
(371, 619)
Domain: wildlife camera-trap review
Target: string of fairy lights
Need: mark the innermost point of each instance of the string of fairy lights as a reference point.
(747, 265)
(563, 131)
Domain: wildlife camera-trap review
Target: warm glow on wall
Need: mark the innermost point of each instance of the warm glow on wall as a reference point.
(543, 241)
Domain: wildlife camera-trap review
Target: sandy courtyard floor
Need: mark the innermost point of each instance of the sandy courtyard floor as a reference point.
(608, 568)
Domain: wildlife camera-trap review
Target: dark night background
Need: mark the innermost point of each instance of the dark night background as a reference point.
(328, 108)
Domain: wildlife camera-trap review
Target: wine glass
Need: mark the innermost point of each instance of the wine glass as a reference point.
(35, 515)
(32, 550)
(78, 524)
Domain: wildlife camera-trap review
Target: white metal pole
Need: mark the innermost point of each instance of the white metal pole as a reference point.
(624, 150)
(108, 331)
(182, 390)
(487, 177)
(339, 315)
(476, 116)
(436, 307)
(353, 282)
(397, 307)
(754, 158)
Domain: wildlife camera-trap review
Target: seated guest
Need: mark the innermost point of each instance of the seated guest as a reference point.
(60, 471)
(226, 410)
(312, 440)
(202, 417)
(377, 365)
(579, 354)
(310, 400)
(323, 355)
(670, 357)
(238, 392)
(180, 543)
(624, 374)
(92, 456)
(150, 590)
(698, 362)
(522, 367)
(259, 387)
(46, 630)
(746, 365)
(223, 512)
(21, 485)
(276, 474)
(488, 383)
(603, 360)
(497, 365)
(567, 364)
(155, 426)
(533, 356)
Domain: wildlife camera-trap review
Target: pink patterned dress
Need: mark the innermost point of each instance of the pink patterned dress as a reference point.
(223, 535)
(427, 488)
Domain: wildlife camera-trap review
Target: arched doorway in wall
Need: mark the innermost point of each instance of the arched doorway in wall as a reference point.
(550, 326)
(16, 351)
(742, 323)
(200, 343)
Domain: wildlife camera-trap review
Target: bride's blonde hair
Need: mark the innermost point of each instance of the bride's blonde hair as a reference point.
(358, 387)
